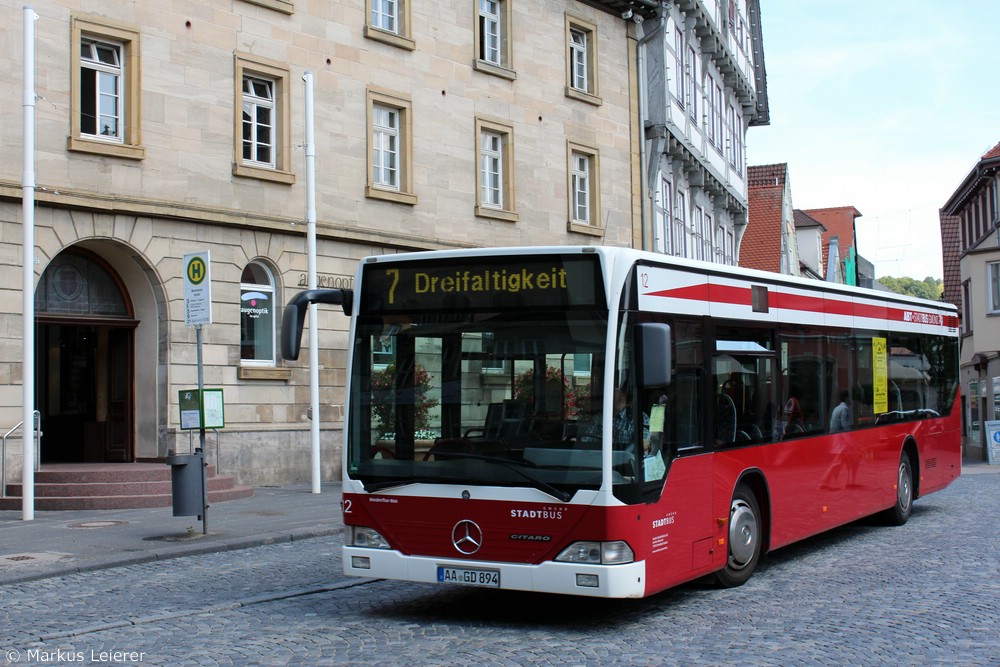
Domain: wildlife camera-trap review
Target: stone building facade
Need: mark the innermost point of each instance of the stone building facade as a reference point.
(970, 222)
(705, 85)
(168, 129)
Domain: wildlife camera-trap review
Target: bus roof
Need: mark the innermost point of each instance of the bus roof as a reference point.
(618, 259)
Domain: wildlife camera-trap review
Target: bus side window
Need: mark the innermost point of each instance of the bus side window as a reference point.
(675, 414)
(684, 413)
(806, 398)
(662, 444)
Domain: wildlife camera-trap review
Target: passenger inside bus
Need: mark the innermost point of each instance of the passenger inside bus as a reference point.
(791, 414)
(623, 427)
(840, 420)
(622, 430)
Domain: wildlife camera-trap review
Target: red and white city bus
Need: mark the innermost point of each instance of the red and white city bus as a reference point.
(610, 422)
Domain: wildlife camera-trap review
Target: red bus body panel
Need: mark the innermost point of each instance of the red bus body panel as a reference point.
(812, 485)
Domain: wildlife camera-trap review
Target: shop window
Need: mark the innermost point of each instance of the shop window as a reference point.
(257, 319)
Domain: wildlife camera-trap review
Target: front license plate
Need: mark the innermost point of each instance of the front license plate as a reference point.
(469, 577)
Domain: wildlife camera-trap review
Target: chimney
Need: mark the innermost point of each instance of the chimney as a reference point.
(833, 260)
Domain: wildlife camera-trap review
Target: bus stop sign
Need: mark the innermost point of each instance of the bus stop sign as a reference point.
(197, 289)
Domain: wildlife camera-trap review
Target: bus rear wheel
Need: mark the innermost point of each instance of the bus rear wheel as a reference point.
(744, 539)
(900, 512)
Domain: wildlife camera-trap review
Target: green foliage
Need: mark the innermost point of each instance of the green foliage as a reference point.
(928, 288)
(385, 398)
(556, 385)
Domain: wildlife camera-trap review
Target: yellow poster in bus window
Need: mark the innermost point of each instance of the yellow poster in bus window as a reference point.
(880, 376)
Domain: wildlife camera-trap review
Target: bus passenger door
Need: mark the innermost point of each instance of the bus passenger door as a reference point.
(681, 524)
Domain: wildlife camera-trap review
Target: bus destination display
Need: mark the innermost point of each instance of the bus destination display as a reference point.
(538, 282)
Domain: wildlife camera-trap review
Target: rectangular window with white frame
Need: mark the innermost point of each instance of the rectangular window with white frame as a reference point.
(680, 225)
(664, 217)
(692, 79)
(105, 88)
(489, 31)
(389, 21)
(694, 233)
(258, 121)
(385, 15)
(390, 174)
(492, 365)
(262, 133)
(578, 59)
(584, 188)
(494, 54)
(720, 244)
(719, 103)
(491, 169)
(495, 176)
(709, 109)
(740, 163)
(731, 140)
(967, 307)
(993, 276)
(581, 60)
(581, 188)
(706, 235)
(680, 83)
(385, 147)
(101, 90)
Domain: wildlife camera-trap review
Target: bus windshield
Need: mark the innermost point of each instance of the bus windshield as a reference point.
(486, 373)
(496, 398)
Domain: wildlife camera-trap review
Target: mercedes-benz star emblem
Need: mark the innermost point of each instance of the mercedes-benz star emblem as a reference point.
(467, 537)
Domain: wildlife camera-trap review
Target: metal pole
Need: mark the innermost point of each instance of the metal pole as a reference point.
(201, 434)
(313, 308)
(28, 280)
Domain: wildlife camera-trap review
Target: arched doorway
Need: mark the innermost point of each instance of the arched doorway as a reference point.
(84, 361)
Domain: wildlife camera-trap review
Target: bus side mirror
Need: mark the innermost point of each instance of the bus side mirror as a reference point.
(294, 317)
(653, 354)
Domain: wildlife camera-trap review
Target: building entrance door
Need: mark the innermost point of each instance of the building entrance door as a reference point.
(84, 392)
(84, 362)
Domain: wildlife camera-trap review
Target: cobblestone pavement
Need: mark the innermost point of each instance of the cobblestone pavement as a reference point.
(923, 594)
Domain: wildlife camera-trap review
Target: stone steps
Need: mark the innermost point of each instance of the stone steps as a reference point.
(98, 486)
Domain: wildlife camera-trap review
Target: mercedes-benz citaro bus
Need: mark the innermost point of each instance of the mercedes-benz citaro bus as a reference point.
(610, 422)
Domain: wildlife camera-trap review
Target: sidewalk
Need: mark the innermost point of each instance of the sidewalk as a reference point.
(57, 543)
(976, 467)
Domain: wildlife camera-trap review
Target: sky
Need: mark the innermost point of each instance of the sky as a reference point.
(884, 105)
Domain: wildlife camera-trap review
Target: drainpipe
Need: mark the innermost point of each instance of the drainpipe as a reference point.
(643, 168)
(314, 414)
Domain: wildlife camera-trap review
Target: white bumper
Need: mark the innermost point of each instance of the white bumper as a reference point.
(613, 581)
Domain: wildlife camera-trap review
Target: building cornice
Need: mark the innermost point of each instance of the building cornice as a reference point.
(112, 204)
(986, 167)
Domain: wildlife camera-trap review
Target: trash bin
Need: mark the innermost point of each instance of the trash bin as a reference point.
(187, 479)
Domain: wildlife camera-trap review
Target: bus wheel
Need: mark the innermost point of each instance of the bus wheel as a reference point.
(744, 539)
(901, 511)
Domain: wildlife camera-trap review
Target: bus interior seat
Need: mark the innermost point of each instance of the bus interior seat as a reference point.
(725, 418)
(492, 425)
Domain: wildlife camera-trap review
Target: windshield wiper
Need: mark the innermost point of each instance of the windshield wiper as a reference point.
(371, 487)
(541, 485)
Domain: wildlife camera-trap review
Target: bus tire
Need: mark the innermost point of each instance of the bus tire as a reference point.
(900, 512)
(745, 534)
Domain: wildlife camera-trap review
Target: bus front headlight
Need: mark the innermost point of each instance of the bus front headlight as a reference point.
(597, 553)
(368, 538)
